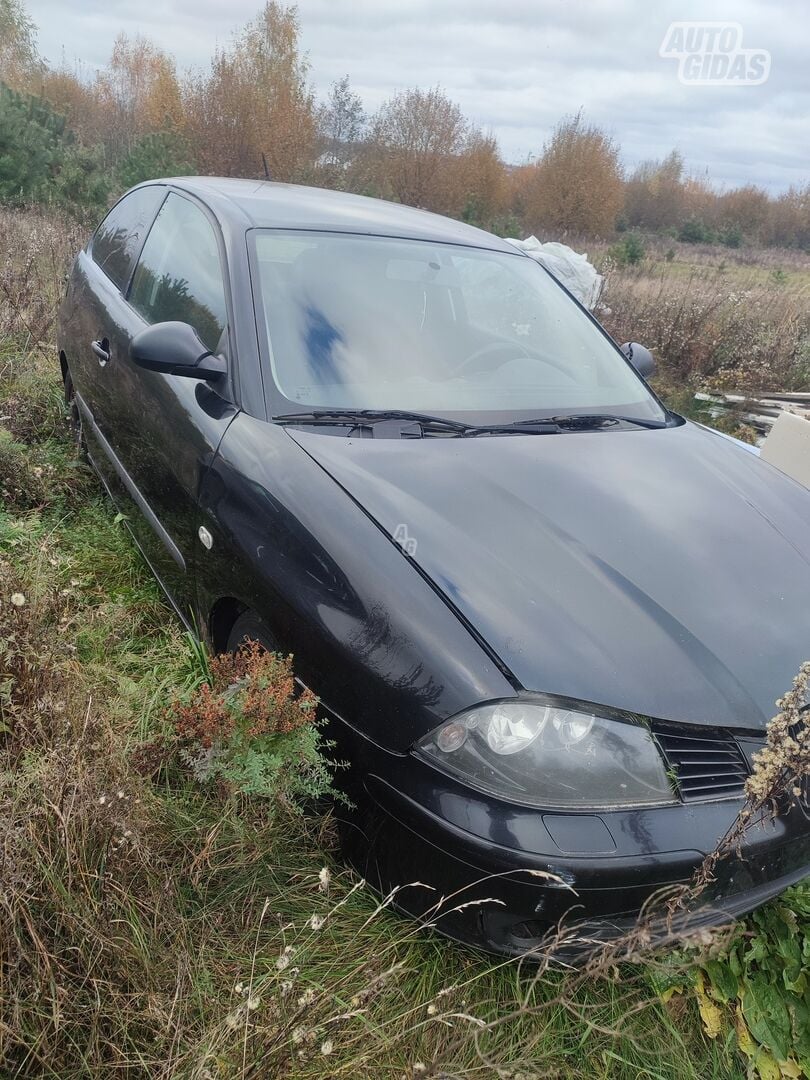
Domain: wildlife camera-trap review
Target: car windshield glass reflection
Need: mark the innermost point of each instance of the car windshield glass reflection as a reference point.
(370, 322)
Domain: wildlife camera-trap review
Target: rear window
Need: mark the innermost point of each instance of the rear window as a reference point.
(119, 237)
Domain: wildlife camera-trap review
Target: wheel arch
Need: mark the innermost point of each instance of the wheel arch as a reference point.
(221, 618)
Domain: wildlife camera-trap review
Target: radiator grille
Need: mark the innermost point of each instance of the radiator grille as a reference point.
(705, 766)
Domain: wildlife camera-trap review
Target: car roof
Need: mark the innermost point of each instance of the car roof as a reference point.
(265, 204)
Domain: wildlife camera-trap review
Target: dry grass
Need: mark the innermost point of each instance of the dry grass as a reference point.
(716, 324)
(38, 248)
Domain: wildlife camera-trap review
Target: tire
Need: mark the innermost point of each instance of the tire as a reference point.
(249, 627)
(74, 417)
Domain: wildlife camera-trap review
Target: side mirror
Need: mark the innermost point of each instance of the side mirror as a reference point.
(641, 359)
(173, 348)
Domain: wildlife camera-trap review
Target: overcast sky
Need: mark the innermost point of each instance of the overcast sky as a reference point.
(516, 67)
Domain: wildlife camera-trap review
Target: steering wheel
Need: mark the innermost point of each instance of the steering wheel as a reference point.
(511, 346)
(493, 346)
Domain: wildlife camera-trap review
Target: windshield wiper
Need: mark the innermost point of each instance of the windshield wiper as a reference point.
(595, 420)
(361, 417)
(427, 422)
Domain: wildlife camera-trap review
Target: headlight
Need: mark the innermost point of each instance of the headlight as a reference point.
(551, 756)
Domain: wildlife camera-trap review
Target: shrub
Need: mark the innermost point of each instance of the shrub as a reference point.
(754, 984)
(248, 726)
(81, 182)
(695, 231)
(629, 251)
(732, 236)
(762, 980)
(163, 153)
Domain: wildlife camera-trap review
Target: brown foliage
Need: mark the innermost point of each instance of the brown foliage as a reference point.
(139, 92)
(744, 208)
(19, 63)
(252, 690)
(710, 331)
(654, 194)
(415, 136)
(789, 218)
(699, 199)
(253, 109)
(575, 189)
(38, 250)
(255, 102)
(77, 100)
(478, 180)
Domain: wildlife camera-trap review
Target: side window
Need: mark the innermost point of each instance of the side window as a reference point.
(118, 238)
(179, 275)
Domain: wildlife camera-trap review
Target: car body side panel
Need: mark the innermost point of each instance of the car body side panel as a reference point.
(369, 634)
(151, 436)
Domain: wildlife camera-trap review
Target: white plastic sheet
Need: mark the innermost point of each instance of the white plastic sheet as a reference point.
(571, 268)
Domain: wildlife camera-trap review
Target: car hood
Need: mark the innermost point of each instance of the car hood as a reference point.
(665, 572)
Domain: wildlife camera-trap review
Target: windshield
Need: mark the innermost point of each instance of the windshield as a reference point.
(359, 322)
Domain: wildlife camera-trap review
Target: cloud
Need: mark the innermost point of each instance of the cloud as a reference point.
(515, 67)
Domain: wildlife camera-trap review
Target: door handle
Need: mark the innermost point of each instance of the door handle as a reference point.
(102, 350)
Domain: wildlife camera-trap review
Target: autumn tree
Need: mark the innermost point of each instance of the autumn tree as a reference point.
(575, 188)
(478, 189)
(255, 104)
(77, 99)
(788, 222)
(139, 93)
(341, 121)
(654, 194)
(699, 218)
(743, 210)
(19, 60)
(413, 139)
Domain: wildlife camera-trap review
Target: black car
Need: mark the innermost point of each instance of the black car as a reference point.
(547, 618)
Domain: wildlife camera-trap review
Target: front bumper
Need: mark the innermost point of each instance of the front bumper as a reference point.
(473, 856)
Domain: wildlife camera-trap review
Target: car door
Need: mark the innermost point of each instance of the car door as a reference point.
(156, 434)
(167, 427)
(94, 316)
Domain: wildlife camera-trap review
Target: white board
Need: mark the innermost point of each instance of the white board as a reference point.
(788, 447)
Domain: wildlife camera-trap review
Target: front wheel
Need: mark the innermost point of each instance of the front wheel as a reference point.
(249, 627)
(74, 417)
